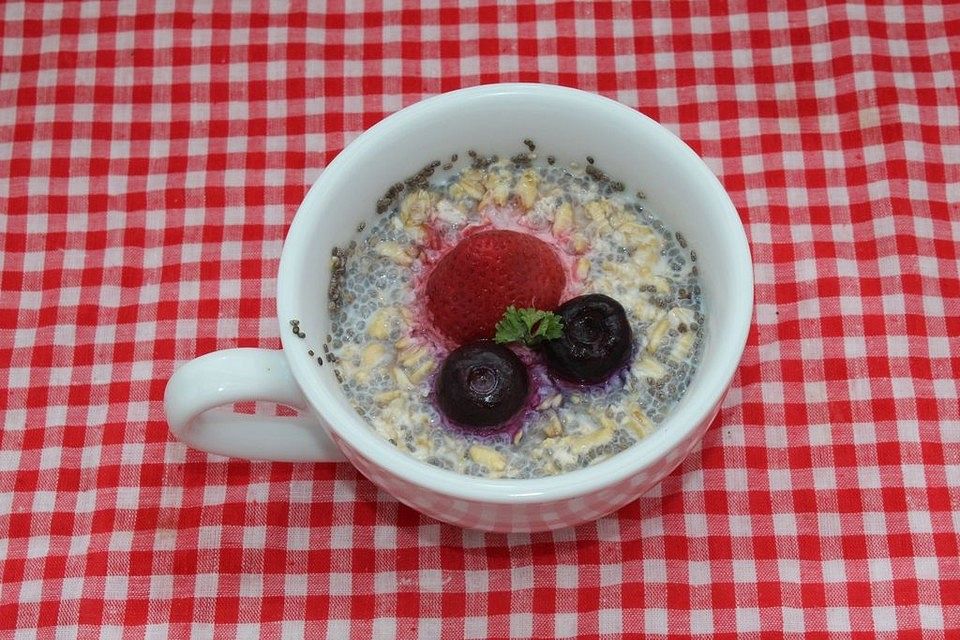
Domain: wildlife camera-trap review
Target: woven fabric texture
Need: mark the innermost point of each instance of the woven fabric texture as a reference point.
(152, 156)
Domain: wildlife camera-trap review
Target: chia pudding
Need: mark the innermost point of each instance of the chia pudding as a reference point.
(387, 354)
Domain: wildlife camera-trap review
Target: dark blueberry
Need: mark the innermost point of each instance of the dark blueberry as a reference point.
(596, 339)
(482, 385)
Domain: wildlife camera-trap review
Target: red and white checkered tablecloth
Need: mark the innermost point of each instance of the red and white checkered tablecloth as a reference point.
(151, 158)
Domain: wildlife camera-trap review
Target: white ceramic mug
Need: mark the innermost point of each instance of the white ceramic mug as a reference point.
(566, 123)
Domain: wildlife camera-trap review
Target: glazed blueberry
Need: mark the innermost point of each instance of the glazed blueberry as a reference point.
(482, 385)
(596, 340)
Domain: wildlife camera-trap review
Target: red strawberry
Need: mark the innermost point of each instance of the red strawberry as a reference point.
(473, 284)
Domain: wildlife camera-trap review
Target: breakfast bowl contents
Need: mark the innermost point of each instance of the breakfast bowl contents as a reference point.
(610, 360)
(514, 318)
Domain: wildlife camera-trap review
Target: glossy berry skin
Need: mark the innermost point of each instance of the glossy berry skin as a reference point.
(482, 385)
(596, 340)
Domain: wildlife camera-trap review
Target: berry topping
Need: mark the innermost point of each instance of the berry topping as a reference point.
(472, 285)
(482, 385)
(596, 339)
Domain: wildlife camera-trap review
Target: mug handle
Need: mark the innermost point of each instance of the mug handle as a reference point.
(234, 375)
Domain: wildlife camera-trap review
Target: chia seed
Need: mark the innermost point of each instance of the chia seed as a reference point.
(338, 262)
(551, 160)
(419, 179)
(681, 240)
(521, 160)
(530, 144)
(595, 173)
(361, 227)
(482, 162)
(319, 361)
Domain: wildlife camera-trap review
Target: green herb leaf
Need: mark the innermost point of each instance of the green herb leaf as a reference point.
(528, 326)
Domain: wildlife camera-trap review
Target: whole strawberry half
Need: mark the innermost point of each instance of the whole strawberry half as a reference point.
(472, 285)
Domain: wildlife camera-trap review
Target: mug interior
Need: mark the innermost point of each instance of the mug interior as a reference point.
(568, 124)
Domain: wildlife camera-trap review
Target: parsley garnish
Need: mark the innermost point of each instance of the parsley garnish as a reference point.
(528, 326)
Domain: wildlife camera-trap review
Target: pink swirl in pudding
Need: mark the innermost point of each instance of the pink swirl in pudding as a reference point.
(468, 276)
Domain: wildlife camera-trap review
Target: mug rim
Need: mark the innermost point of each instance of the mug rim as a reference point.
(675, 428)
